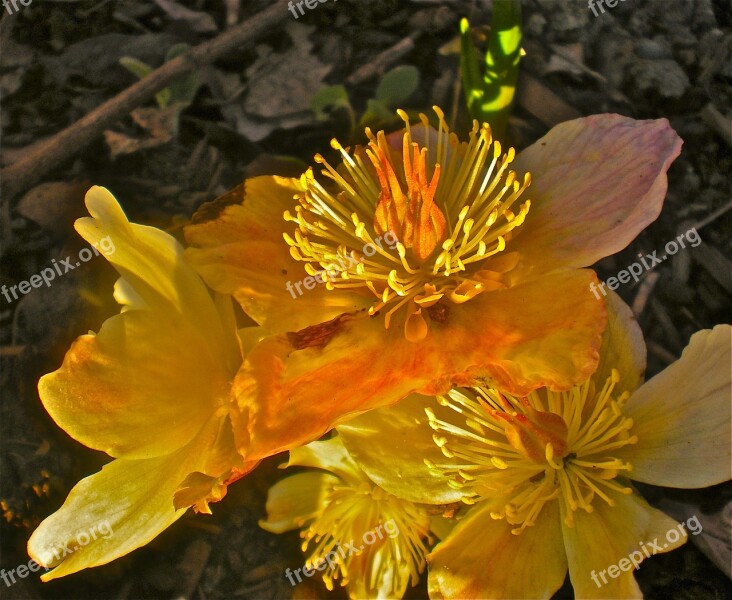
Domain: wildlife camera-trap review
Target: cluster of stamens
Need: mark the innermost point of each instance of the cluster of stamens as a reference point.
(399, 530)
(449, 210)
(521, 453)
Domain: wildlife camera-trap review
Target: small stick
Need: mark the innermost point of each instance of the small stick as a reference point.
(379, 63)
(22, 174)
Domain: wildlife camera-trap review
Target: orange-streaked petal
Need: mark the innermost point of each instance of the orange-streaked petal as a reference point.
(481, 558)
(140, 388)
(391, 445)
(293, 388)
(682, 417)
(623, 347)
(133, 497)
(596, 183)
(296, 499)
(609, 535)
(237, 247)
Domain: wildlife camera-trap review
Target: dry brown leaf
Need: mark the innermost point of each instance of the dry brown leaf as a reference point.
(55, 205)
(161, 123)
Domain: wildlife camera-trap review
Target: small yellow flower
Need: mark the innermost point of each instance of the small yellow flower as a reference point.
(354, 532)
(548, 475)
(151, 389)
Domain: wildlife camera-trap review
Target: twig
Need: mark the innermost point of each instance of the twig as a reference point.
(379, 63)
(19, 176)
(712, 217)
(644, 293)
(720, 124)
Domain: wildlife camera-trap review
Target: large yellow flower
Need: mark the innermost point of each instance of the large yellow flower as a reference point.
(374, 543)
(425, 265)
(548, 476)
(151, 389)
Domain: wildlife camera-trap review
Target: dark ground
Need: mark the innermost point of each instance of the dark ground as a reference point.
(645, 59)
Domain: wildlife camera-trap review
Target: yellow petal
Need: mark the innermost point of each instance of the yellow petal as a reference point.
(622, 348)
(237, 246)
(520, 339)
(330, 455)
(596, 182)
(481, 558)
(140, 388)
(295, 500)
(682, 417)
(151, 262)
(611, 534)
(145, 384)
(391, 444)
(120, 508)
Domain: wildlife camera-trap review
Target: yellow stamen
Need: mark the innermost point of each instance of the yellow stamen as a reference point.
(530, 451)
(420, 224)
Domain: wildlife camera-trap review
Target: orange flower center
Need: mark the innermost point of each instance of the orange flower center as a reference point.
(520, 453)
(414, 226)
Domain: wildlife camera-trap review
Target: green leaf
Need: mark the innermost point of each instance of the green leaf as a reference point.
(472, 80)
(175, 51)
(492, 99)
(182, 89)
(502, 61)
(377, 115)
(142, 70)
(136, 67)
(330, 97)
(397, 85)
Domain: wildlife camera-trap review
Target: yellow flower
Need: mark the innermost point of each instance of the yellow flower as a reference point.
(151, 389)
(548, 476)
(371, 541)
(425, 265)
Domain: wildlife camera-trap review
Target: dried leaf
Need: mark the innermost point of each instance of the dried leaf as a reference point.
(55, 205)
(161, 123)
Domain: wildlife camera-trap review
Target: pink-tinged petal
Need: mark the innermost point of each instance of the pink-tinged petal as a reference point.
(596, 183)
(682, 417)
(481, 558)
(237, 247)
(604, 542)
(293, 388)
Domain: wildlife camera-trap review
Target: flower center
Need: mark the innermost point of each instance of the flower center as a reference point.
(373, 528)
(520, 453)
(415, 225)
